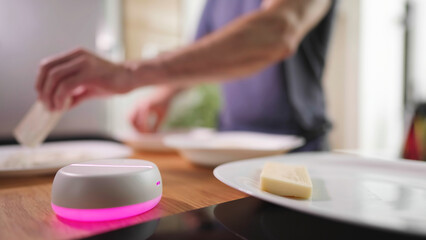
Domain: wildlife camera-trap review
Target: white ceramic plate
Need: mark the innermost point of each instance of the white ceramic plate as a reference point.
(211, 148)
(153, 142)
(379, 193)
(78, 150)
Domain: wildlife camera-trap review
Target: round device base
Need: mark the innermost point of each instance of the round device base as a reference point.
(103, 190)
(105, 214)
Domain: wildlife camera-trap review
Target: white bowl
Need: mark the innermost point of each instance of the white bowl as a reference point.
(214, 148)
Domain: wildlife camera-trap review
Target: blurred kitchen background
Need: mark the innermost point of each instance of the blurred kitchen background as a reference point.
(374, 80)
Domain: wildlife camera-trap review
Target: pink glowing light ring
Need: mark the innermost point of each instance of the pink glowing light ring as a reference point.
(105, 214)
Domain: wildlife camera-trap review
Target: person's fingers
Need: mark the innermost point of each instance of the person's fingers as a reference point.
(149, 115)
(57, 75)
(136, 121)
(49, 63)
(132, 119)
(64, 90)
(142, 118)
(159, 119)
(150, 119)
(82, 96)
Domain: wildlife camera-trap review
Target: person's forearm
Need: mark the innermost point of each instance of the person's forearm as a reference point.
(245, 46)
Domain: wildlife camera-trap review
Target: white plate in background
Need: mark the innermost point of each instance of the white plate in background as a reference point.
(71, 152)
(151, 142)
(366, 191)
(214, 148)
(154, 142)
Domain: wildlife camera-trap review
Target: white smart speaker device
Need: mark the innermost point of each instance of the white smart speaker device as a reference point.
(102, 190)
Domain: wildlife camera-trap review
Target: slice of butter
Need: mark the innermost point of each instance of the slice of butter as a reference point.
(286, 180)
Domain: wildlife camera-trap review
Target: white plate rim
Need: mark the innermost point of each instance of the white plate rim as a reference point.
(172, 142)
(47, 169)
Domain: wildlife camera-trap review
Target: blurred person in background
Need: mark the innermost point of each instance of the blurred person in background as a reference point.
(269, 56)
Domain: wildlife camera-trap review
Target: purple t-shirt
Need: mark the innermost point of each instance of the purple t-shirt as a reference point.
(261, 102)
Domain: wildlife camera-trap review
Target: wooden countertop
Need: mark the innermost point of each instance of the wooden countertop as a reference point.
(25, 211)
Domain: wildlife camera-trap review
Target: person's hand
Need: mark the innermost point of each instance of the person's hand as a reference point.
(79, 75)
(150, 112)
